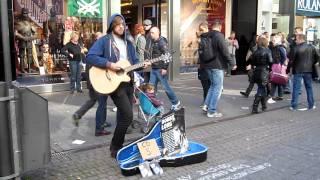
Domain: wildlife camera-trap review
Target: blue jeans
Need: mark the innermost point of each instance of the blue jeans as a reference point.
(155, 77)
(288, 86)
(101, 113)
(307, 79)
(75, 77)
(274, 87)
(215, 90)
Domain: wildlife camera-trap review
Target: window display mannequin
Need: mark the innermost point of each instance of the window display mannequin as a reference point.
(25, 33)
(53, 30)
(47, 59)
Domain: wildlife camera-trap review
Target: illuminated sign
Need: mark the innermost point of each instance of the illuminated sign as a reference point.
(308, 7)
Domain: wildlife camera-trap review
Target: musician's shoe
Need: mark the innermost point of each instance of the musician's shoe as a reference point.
(102, 133)
(72, 92)
(79, 91)
(114, 151)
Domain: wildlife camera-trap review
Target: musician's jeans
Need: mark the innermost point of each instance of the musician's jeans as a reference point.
(215, 90)
(122, 98)
(155, 77)
(75, 78)
(307, 79)
(101, 113)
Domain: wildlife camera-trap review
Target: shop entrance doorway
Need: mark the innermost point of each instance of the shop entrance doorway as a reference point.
(135, 11)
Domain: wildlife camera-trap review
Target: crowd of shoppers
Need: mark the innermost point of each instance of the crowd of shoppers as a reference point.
(147, 43)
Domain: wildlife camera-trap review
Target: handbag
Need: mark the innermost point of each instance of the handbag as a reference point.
(278, 74)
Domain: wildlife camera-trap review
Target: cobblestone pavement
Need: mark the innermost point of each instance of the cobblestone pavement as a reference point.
(278, 144)
(255, 147)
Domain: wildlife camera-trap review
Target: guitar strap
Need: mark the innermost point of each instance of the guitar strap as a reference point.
(115, 50)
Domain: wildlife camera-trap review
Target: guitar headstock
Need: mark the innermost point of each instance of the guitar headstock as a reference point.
(167, 57)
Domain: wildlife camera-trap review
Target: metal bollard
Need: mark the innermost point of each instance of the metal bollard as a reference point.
(6, 151)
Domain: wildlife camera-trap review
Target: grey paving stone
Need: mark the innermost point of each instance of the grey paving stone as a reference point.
(289, 141)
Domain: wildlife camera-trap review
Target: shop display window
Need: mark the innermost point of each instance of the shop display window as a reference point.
(193, 13)
(43, 27)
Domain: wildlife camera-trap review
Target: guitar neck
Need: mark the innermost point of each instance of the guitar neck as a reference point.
(139, 65)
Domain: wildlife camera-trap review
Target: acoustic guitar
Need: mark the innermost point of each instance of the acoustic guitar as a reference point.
(105, 81)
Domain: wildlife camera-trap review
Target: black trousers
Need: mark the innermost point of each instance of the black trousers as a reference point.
(205, 87)
(88, 104)
(122, 98)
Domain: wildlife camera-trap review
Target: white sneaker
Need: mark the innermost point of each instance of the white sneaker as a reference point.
(292, 109)
(214, 115)
(176, 107)
(115, 109)
(204, 108)
(313, 107)
(271, 101)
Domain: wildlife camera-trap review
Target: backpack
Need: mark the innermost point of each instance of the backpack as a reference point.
(206, 52)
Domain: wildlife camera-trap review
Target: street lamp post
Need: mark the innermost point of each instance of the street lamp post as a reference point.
(9, 160)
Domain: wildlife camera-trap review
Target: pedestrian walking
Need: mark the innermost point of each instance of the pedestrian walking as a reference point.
(279, 57)
(159, 71)
(251, 50)
(140, 41)
(304, 58)
(93, 96)
(147, 25)
(215, 65)
(202, 73)
(261, 60)
(74, 54)
(233, 45)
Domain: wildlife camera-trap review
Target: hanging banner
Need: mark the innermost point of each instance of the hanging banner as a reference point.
(309, 8)
(85, 8)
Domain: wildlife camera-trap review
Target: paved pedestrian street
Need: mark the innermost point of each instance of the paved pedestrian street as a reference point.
(277, 144)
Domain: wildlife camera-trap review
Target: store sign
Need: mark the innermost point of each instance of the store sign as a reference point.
(85, 8)
(308, 7)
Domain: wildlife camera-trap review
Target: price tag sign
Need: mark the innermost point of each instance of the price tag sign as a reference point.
(149, 149)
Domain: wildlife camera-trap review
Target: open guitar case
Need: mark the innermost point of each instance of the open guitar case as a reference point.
(129, 157)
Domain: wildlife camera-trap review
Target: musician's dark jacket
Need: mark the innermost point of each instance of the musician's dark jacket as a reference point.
(102, 53)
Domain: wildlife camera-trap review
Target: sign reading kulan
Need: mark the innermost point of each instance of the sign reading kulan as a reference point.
(308, 7)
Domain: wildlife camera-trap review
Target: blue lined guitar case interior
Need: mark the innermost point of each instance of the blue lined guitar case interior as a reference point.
(129, 156)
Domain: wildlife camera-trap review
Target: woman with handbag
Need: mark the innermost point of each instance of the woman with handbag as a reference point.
(261, 61)
(279, 57)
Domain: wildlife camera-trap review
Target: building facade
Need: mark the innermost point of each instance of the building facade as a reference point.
(54, 20)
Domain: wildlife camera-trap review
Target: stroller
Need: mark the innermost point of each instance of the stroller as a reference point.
(147, 112)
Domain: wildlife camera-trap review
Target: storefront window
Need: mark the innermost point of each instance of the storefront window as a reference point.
(307, 17)
(43, 27)
(135, 11)
(193, 13)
